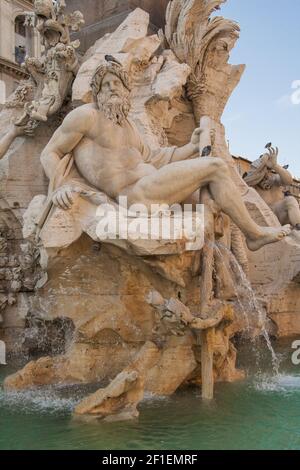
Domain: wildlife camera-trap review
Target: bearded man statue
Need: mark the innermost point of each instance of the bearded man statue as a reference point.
(98, 154)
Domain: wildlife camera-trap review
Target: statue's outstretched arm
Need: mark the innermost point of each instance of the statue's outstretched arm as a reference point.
(8, 139)
(285, 176)
(201, 140)
(189, 150)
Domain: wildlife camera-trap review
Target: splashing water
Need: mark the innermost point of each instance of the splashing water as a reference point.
(36, 401)
(247, 300)
(47, 400)
(282, 383)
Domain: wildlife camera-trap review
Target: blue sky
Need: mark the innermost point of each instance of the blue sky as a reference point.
(260, 110)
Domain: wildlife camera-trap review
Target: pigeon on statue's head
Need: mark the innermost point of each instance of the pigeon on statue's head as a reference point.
(110, 58)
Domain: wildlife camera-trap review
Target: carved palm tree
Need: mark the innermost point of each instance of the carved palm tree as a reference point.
(203, 43)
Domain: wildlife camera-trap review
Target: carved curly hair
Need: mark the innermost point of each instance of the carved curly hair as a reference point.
(102, 70)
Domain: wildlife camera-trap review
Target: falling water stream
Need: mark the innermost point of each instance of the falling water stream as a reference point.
(247, 301)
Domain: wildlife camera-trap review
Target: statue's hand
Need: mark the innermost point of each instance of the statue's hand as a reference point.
(63, 197)
(195, 139)
(273, 157)
(19, 131)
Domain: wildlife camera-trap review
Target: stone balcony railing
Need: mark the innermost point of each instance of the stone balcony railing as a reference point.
(12, 68)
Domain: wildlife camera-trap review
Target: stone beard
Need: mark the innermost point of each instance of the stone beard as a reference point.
(114, 107)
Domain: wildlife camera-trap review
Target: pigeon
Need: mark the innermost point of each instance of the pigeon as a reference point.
(206, 151)
(268, 146)
(110, 58)
(286, 167)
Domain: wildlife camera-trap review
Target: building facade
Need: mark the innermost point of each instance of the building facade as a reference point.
(101, 16)
(16, 42)
(104, 16)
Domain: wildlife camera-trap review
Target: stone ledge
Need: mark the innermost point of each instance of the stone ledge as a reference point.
(12, 68)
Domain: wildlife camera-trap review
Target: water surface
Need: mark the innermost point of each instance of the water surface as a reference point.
(262, 412)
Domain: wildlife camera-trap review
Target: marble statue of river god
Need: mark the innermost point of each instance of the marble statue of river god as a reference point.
(111, 156)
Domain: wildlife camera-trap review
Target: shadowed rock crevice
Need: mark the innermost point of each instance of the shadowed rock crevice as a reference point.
(47, 337)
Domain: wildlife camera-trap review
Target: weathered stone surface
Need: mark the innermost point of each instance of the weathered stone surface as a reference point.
(35, 374)
(104, 16)
(178, 359)
(120, 398)
(66, 227)
(105, 295)
(135, 27)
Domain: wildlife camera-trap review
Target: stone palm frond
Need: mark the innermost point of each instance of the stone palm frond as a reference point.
(189, 30)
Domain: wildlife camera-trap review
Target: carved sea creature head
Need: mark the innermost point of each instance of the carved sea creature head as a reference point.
(111, 89)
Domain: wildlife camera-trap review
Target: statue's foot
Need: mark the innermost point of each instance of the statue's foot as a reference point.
(269, 235)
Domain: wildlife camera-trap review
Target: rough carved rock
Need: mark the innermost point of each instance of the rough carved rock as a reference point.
(177, 317)
(109, 333)
(64, 228)
(120, 398)
(126, 36)
(114, 319)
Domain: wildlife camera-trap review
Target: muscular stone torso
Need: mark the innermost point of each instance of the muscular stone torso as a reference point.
(109, 157)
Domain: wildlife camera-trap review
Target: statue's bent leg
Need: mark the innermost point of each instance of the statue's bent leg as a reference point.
(287, 211)
(293, 210)
(175, 182)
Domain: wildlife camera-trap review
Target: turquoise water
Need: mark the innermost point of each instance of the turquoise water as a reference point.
(262, 412)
